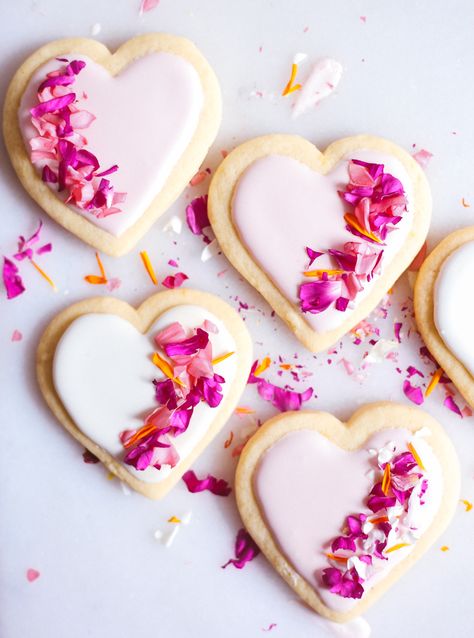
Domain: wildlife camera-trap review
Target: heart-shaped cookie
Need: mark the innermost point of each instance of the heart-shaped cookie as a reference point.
(145, 390)
(106, 142)
(444, 307)
(342, 510)
(322, 236)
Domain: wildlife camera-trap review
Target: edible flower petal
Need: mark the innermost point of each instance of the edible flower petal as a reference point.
(219, 487)
(245, 550)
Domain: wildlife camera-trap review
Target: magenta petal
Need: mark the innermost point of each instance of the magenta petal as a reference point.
(343, 542)
(196, 215)
(54, 104)
(451, 404)
(413, 393)
(219, 487)
(245, 550)
(188, 346)
(317, 296)
(11, 279)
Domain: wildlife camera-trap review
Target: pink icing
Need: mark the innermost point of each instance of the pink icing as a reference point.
(281, 206)
(306, 486)
(145, 119)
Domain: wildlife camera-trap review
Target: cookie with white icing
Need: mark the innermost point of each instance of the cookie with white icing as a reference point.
(342, 510)
(322, 236)
(104, 142)
(145, 390)
(444, 307)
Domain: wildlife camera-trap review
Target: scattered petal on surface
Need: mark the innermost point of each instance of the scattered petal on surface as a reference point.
(423, 157)
(32, 575)
(148, 5)
(451, 404)
(219, 487)
(245, 550)
(17, 335)
(413, 393)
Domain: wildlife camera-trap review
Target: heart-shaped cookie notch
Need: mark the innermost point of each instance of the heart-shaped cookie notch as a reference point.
(322, 236)
(444, 307)
(116, 136)
(315, 495)
(145, 390)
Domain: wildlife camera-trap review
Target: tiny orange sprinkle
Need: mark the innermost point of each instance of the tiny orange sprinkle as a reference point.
(228, 442)
(244, 410)
(44, 275)
(467, 505)
(97, 279)
(352, 221)
(223, 357)
(290, 87)
(444, 548)
(262, 366)
(394, 548)
(434, 381)
(148, 266)
(174, 519)
(386, 479)
(415, 456)
(465, 204)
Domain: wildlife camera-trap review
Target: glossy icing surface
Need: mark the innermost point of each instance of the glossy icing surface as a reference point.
(103, 374)
(280, 206)
(454, 304)
(306, 486)
(145, 118)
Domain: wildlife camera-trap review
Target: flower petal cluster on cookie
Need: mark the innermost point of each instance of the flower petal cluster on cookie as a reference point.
(378, 202)
(389, 524)
(60, 149)
(190, 379)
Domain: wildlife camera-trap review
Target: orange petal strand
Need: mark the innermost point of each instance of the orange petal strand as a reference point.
(148, 266)
(95, 279)
(386, 479)
(465, 204)
(174, 519)
(352, 221)
(379, 519)
(140, 434)
(223, 357)
(262, 366)
(320, 273)
(166, 369)
(394, 548)
(101, 266)
(339, 559)
(44, 275)
(290, 87)
(434, 381)
(467, 504)
(244, 410)
(228, 442)
(415, 456)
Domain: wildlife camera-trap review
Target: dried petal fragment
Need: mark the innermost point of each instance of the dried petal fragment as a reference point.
(216, 486)
(245, 550)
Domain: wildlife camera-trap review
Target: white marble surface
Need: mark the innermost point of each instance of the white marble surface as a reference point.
(408, 77)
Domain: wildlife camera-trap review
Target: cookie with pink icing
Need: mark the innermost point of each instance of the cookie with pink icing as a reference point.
(145, 390)
(322, 236)
(106, 142)
(444, 308)
(342, 510)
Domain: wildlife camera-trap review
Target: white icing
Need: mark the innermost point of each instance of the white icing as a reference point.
(145, 119)
(102, 372)
(454, 304)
